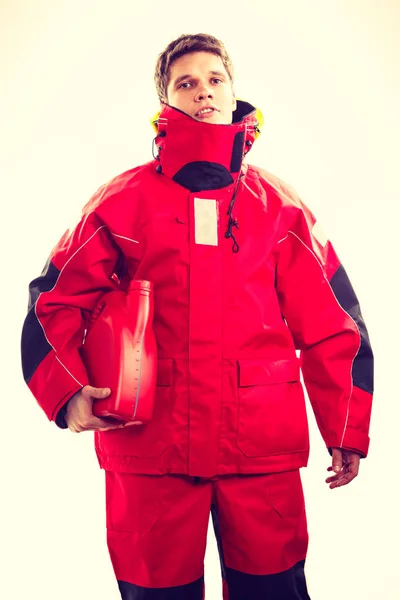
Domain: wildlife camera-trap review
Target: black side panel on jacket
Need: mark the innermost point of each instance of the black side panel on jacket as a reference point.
(362, 366)
(43, 283)
(34, 346)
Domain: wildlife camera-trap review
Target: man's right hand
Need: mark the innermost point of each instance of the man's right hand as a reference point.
(79, 416)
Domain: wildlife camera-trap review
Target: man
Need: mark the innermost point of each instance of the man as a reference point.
(243, 276)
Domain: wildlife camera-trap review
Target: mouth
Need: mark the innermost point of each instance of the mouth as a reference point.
(206, 112)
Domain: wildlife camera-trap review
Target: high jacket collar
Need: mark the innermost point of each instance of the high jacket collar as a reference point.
(204, 156)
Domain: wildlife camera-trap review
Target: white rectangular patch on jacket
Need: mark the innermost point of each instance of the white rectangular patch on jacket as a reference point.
(319, 234)
(205, 222)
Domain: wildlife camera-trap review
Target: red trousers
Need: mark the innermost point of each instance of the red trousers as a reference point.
(157, 530)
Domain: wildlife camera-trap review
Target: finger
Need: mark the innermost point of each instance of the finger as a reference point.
(330, 479)
(103, 428)
(73, 429)
(122, 425)
(92, 423)
(337, 476)
(104, 425)
(344, 480)
(108, 428)
(78, 429)
(341, 481)
(93, 392)
(337, 460)
(334, 479)
(331, 468)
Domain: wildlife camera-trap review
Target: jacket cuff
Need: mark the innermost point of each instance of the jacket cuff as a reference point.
(349, 449)
(353, 440)
(59, 417)
(52, 384)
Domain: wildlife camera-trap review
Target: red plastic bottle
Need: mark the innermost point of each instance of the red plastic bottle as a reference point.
(120, 352)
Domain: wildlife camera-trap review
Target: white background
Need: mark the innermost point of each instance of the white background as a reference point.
(77, 94)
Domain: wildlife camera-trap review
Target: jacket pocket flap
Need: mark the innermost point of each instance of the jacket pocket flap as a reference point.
(261, 372)
(164, 371)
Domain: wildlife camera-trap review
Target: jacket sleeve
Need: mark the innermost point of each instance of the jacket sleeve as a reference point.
(321, 309)
(77, 273)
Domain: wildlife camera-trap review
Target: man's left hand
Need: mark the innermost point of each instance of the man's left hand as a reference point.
(345, 464)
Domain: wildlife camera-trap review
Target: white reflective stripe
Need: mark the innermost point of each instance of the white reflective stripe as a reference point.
(51, 345)
(123, 237)
(319, 234)
(69, 372)
(57, 280)
(205, 222)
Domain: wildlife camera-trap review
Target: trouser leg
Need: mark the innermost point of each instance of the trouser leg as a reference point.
(261, 530)
(156, 535)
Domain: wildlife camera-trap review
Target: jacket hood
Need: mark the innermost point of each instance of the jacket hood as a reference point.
(204, 156)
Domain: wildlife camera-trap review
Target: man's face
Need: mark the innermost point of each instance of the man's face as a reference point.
(198, 80)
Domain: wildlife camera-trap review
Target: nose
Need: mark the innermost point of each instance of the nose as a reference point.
(204, 92)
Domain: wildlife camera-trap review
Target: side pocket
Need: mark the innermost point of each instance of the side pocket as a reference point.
(286, 493)
(133, 502)
(272, 411)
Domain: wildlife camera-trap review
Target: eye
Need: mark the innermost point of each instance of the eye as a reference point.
(216, 79)
(184, 84)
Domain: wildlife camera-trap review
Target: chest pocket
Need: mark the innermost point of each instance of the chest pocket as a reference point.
(272, 413)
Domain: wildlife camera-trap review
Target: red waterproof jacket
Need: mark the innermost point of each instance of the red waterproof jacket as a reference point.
(243, 277)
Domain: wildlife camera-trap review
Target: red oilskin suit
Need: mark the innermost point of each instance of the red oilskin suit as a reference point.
(243, 276)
